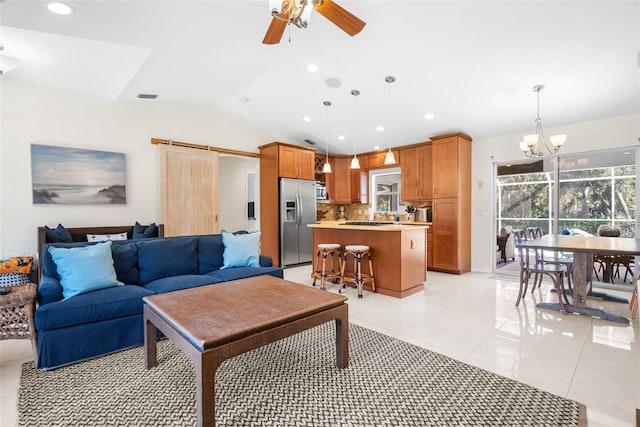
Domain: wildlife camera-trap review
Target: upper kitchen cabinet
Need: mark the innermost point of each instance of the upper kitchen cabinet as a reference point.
(416, 178)
(451, 165)
(376, 160)
(293, 161)
(346, 185)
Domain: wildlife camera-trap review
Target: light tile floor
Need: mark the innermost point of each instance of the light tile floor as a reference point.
(472, 318)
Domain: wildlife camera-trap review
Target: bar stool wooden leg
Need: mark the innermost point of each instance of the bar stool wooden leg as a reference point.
(325, 250)
(358, 252)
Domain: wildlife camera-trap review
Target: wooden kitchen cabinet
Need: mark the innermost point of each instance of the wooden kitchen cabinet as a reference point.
(445, 234)
(376, 160)
(451, 206)
(346, 185)
(296, 162)
(451, 165)
(416, 177)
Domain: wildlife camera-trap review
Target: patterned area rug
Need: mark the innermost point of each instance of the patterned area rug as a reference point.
(293, 382)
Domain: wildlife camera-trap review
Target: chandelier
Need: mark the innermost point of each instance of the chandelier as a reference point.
(535, 145)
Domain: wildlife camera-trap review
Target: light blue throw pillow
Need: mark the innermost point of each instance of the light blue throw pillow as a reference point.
(84, 269)
(241, 250)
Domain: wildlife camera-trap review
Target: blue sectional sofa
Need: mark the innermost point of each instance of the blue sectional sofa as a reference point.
(106, 320)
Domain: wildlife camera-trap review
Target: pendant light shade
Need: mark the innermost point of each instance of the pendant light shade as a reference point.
(355, 163)
(390, 158)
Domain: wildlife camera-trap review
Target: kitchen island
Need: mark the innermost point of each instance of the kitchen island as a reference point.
(399, 261)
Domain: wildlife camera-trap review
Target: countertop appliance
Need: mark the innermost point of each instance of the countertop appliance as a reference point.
(423, 215)
(297, 209)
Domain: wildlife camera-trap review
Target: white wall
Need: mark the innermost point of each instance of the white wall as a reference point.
(233, 193)
(613, 132)
(35, 114)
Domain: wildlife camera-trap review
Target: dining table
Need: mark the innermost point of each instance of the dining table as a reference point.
(583, 249)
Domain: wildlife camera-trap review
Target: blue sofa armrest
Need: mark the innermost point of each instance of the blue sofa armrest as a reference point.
(49, 290)
(266, 261)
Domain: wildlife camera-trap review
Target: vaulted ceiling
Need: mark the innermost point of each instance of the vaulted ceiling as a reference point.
(471, 64)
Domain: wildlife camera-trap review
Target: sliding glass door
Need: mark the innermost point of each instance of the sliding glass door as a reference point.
(595, 189)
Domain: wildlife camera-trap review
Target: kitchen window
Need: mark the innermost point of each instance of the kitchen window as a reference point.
(385, 189)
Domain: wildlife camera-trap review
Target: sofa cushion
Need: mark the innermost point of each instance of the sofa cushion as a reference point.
(95, 306)
(142, 232)
(57, 235)
(105, 237)
(176, 283)
(171, 256)
(210, 250)
(125, 261)
(85, 269)
(236, 273)
(241, 250)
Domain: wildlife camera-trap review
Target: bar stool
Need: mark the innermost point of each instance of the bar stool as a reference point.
(358, 252)
(325, 250)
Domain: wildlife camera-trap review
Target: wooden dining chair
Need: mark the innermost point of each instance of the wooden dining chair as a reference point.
(530, 265)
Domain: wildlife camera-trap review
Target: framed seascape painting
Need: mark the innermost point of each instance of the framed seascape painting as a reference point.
(62, 175)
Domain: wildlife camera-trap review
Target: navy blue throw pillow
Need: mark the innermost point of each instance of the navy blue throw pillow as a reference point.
(57, 235)
(141, 232)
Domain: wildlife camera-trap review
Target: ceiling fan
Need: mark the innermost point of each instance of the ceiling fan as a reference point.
(297, 12)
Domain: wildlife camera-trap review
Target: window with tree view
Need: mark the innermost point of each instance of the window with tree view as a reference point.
(594, 190)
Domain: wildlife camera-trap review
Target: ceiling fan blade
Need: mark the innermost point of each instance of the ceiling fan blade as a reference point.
(275, 31)
(344, 19)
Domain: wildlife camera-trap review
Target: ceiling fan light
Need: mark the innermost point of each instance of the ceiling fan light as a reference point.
(355, 163)
(305, 17)
(326, 168)
(558, 140)
(390, 158)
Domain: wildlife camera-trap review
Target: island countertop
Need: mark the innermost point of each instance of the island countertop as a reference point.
(341, 225)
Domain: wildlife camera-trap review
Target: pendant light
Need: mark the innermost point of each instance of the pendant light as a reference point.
(355, 163)
(390, 158)
(327, 166)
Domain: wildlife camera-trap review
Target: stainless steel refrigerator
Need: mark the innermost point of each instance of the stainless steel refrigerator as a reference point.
(297, 209)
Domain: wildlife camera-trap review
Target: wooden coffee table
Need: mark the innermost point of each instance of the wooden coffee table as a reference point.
(213, 323)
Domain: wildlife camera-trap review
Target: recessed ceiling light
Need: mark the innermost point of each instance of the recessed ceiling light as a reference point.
(429, 116)
(306, 118)
(376, 147)
(341, 137)
(312, 67)
(380, 128)
(59, 8)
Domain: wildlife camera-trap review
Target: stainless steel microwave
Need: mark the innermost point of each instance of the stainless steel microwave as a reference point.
(321, 192)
